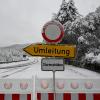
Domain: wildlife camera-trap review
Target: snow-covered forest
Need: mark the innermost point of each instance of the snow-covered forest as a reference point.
(83, 31)
(12, 53)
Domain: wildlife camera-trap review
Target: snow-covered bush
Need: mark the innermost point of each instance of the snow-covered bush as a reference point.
(93, 57)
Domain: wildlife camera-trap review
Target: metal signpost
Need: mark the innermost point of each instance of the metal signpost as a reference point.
(52, 33)
(52, 64)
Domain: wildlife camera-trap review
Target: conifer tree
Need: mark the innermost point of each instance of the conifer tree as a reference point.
(67, 12)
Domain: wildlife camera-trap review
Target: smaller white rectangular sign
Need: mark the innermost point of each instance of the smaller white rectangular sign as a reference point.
(52, 64)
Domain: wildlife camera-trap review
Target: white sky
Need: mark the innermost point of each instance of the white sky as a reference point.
(21, 21)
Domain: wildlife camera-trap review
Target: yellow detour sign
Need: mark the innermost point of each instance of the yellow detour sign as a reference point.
(45, 50)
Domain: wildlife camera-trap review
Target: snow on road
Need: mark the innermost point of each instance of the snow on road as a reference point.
(34, 69)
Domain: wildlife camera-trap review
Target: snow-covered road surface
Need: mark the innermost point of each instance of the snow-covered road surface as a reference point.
(31, 68)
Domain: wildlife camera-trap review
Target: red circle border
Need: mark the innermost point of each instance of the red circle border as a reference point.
(60, 36)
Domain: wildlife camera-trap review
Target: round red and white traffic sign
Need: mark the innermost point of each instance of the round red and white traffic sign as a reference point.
(53, 32)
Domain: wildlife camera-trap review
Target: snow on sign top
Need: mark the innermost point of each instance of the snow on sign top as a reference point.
(53, 32)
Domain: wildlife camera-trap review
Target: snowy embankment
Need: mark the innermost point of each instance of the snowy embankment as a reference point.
(8, 65)
(33, 68)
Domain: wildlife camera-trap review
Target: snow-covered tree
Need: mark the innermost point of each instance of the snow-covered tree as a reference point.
(79, 26)
(67, 12)
(98, 10)
(93, 20)
(84, 32)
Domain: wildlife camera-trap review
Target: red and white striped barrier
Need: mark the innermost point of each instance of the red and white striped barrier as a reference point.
(16, 89)
(42, 89)
(68, 89)
(68, 96)
(15, 97)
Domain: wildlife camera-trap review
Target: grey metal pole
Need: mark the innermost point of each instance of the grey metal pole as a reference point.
(54, 85)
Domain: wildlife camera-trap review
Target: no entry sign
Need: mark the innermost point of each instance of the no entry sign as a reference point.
(53, 32)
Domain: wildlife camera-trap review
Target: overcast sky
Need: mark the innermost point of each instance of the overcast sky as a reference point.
(21, 21)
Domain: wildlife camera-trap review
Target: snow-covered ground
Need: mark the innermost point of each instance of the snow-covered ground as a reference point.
(32, 67)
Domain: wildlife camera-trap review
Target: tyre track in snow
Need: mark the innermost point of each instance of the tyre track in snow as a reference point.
(10, 70)
(77, 72)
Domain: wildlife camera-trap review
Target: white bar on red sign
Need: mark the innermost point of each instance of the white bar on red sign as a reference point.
(15, 97)
(68, 96)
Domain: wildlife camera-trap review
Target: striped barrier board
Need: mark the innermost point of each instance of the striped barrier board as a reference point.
(68, 89)
(42, 89)
(68, 96)
(16, 89)
(15, 96)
